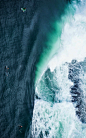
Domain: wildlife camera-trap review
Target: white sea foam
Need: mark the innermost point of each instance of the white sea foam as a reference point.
(73, 40)
(60, 119)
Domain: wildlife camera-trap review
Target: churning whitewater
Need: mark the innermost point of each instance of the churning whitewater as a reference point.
(60, 93)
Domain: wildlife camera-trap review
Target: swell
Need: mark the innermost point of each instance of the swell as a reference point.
(17, 40)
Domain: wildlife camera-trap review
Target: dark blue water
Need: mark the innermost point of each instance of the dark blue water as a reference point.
(18, 32)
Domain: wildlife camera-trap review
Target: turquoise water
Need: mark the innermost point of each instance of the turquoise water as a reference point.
(53, 40)
(54, 114)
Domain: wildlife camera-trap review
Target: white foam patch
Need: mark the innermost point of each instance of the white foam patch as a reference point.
(64, 83)
(73, 40)
(59, 120)
(48, 118)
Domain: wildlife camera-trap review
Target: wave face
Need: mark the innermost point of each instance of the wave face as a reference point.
(26, 46)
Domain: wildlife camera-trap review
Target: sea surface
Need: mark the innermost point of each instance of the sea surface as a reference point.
(43, 69)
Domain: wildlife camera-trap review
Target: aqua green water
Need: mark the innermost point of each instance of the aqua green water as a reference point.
(52, 45)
